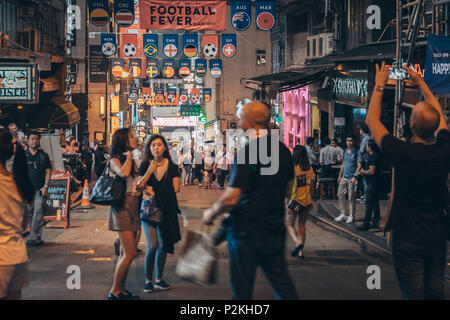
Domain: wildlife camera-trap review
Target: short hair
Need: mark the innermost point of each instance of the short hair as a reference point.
(363, 126)
(326, 141)
(34, 133)
(310, 140)
(350, 135)
(12, 124)
(373, 145)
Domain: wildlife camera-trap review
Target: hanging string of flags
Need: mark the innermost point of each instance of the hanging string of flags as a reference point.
(183, 14)
(170, 97)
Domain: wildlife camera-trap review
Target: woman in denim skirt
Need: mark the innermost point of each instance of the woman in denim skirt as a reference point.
(124, 219)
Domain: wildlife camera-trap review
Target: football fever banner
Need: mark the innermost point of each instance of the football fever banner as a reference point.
(184, 15)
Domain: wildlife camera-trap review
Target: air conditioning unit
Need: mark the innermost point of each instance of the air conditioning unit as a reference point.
(26, 12)
(328, 43)
(319, 45)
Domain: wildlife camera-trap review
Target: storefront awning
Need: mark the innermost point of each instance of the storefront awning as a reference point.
(291, 80)
(49, 84)
(66, 115)
(372, 51)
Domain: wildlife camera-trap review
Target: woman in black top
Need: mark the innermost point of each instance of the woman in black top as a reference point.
(162, 180)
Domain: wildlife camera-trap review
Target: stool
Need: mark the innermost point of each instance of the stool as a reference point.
(324, 184)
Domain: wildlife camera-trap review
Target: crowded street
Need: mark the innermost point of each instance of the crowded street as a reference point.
(335, 267)
(224, 150)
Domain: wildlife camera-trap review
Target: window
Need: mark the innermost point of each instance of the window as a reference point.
(299, 23)
(260, 57)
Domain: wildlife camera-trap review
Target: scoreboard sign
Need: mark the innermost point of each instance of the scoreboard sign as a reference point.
(18, 83)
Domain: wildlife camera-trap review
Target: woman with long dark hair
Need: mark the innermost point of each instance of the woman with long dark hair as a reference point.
(303, 194)
(15, 191)
(162, 180)
(124, 218)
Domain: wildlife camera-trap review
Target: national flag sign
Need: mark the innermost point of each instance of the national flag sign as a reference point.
(170, 50)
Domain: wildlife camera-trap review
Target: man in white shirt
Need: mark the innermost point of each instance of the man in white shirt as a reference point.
(222, 165)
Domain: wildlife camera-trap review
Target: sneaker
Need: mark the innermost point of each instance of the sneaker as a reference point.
(35, 242)
(162, 285)
(139, 251)
(297, 250)
(148, 287)
(363, 227)
(341, 218)
(374, 226)
(349, 219)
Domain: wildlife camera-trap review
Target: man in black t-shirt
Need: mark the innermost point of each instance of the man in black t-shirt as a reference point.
(255, 198)
(418, 217)
(40, 169)
(371, 173)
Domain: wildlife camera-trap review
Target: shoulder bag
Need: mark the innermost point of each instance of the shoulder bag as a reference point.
(149, 211)
(109, 190)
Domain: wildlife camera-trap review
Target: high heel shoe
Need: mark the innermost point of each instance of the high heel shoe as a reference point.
(296, 250)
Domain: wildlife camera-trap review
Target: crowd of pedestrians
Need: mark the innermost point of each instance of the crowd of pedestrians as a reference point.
(261, 208)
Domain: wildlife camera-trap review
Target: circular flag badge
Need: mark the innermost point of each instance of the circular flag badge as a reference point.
(159, 98)
(135, 71)
(108, 48)
(168, 72)
(195, 98)
(171, 98)
(170, 50)
(150, 50)
(141, 101)
(190, 50)
(240, 21)
(147, 97)
(207, 98)
(99, 17)
(200, 71)
(117, 71)
(216, 72)
(265, 21)
(124, 18)
(184, 71)
(229, 50)
(152, 72)
(184, 98)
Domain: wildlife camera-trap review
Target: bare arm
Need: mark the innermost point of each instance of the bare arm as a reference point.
(125, 170)
(226, 203)
(176, 184)
(377, 129)
(289, 189)
(429, 97)
(369, 172)
(143, 179)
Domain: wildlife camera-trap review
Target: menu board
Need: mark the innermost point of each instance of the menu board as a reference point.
(58, 199)
(97, 65)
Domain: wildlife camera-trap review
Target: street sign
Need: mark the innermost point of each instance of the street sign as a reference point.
(190, 110)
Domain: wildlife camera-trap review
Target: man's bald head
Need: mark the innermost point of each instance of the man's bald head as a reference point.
(257, 114)
(424, 120)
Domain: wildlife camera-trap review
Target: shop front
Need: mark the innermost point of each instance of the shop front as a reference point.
(296, 116)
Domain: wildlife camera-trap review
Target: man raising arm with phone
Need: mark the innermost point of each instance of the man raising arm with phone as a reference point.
(417, 217)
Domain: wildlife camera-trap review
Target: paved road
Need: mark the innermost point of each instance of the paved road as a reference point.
(335, 266)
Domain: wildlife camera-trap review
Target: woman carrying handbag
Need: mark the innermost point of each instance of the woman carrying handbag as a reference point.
(161, 179)
(301, 203)
(124, 217)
